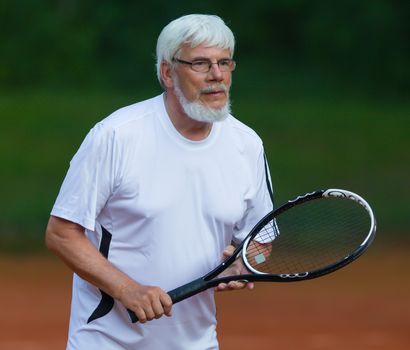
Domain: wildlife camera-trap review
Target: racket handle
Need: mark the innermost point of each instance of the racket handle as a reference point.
(133, 316)
(188, 290)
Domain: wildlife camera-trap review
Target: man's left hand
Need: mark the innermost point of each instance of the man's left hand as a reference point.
(237, 268)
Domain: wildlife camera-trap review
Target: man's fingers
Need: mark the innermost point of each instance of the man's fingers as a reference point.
(236, 285)
(140, 313)
(166, 303)
(149, 312)
(148, 303)
(230, 286)
(222, 287)
(162, 305)
(157, 308)
(228, 251)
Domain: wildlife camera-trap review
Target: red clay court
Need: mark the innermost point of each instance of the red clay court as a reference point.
(363, 306)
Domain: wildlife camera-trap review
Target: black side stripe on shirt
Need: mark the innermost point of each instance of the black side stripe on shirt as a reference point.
(107, 302)
(268, 182)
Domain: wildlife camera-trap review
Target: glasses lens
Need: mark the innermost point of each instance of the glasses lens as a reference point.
(201, 66)
(204, 66)
(226, 65)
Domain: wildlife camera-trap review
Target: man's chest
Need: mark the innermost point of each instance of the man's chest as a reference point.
(212, 184)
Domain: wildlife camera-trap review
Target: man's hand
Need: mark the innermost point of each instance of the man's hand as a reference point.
(147, 302)
(237, 268)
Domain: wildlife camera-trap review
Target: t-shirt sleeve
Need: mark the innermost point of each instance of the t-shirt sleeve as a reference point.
(90, 179)
(260, 202)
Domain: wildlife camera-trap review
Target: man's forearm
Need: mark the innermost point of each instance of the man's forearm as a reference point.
(68, 241)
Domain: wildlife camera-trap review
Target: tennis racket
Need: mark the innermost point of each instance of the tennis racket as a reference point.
(310, 236)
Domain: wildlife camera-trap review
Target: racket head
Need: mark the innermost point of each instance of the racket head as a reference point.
(310, 236)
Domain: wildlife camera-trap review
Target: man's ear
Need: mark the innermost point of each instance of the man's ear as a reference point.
(166, 74)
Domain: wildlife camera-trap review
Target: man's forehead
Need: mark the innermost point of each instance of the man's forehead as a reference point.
(204, 50)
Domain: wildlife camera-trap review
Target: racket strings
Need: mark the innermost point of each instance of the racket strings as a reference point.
(269, 232)
(309, 237)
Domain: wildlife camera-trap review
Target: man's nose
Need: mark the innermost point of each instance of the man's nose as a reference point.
(215, 72)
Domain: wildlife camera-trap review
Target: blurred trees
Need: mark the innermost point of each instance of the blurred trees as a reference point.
(299, 64)
(112, 43)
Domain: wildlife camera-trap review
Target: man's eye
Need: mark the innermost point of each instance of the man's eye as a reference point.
(200, 63)
(224, 63)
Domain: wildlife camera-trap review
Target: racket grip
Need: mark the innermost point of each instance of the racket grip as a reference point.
(133, 316)
(188, 290)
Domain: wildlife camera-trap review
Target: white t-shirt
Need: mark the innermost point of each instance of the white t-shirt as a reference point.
(170, 206)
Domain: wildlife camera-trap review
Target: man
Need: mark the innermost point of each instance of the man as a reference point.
(153, 198)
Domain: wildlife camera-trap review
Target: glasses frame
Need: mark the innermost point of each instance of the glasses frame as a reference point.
(210, 63)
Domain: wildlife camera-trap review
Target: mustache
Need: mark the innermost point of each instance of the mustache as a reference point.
(213, 88)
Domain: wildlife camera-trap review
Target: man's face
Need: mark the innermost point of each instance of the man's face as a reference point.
(193, 83)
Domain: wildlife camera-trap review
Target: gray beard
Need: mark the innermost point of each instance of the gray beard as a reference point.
(197, 111)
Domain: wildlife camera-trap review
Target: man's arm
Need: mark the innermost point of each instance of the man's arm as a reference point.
(67, 240)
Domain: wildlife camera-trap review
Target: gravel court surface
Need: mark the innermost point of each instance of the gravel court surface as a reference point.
(363, 306)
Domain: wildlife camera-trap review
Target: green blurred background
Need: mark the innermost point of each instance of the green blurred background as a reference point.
(326, 84)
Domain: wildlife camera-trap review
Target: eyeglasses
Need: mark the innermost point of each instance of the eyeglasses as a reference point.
(204, 66)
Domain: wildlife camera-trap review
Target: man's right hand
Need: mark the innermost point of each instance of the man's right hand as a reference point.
(147, 302)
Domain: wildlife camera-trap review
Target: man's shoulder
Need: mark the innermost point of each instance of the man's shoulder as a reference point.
(136, 113)
(243, 130)
(127, 124)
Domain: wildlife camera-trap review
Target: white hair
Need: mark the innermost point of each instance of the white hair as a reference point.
(194, 30)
